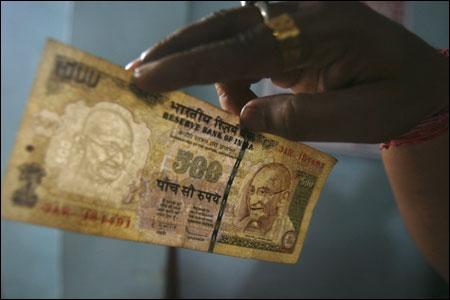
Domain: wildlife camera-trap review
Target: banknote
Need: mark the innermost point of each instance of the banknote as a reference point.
(97, 155)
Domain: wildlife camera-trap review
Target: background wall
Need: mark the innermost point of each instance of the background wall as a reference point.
(357, 245)
(27, 252)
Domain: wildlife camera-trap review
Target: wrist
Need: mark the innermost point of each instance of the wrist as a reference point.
(427, 129)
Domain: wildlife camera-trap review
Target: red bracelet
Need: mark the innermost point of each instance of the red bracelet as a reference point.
(427, 129)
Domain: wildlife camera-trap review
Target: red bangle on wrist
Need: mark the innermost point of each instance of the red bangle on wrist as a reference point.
(427, 129)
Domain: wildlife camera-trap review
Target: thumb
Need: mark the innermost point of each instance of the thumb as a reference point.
(273, 114)
(362, 114)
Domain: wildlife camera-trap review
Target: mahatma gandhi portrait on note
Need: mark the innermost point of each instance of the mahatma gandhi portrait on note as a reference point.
(263, 206)
(98, 151)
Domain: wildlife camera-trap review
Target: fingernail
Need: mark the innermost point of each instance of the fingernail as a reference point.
(133, 64)
(148, 69)
(147, 78)
(220, 90)
(253, 118)
(138, 71)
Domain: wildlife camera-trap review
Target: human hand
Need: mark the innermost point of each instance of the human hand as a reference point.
(360, 78)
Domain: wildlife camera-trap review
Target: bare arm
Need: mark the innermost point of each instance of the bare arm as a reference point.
(419, 178)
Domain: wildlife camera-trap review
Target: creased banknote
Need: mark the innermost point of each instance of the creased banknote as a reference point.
(97, 155)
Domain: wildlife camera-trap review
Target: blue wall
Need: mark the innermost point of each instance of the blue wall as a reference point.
(30, 255)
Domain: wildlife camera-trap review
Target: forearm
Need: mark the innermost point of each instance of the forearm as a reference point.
(419, 178)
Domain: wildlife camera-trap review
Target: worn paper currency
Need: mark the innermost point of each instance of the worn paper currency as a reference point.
(96, 155)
